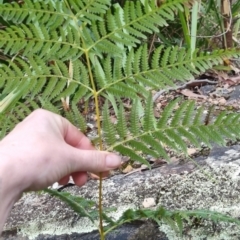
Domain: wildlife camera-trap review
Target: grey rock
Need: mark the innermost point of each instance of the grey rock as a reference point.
(213, 185)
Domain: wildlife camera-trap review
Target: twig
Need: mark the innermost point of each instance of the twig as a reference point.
(189, 84)
(151, 45)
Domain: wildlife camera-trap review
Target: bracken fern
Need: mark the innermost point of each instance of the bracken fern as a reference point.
(56, 53)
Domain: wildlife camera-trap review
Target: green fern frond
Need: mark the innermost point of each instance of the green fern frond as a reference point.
(54, 11)
(76, 32)
(176, 129)
(175, 219)
(80, 205)
(158, 74)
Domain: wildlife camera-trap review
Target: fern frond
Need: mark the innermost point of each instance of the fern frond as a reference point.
(54, 11)
(175, 219)
(80, 205)
(175, 130)
(158, 74)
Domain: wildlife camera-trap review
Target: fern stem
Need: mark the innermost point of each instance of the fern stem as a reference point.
(95, 94)
(101, 230)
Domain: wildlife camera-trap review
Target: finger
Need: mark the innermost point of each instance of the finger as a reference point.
(97, 175)
(80, 178)
(74, 137)
(92, 160)
(64, 180)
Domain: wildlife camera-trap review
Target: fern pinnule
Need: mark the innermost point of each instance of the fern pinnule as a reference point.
(117, 68)
(145, 58)
(200, 66)
(179, 114)
(215, 136)
(167, 138)
(191, 138)
(186, 73)
(236, 119)
(59, 68)
(77, 119)
(183, 74)
(163, 121)
(7, 124)
(161, 78)
(220, 118)
(81, 92)
(155, 60)
(137, 60)
(58, 88)
(142, 148)
(231, 119)
(32, 104)
(173, 56)
(179, 142)
(197, 119)
(182, 54)
(70, 115)
(128, 63)
(45, 104)
(100, 75)
(121, 123)
(149, 121)
(165, 57)
(147, 81)
(122, 90)
(129, 152)
(134, 118)
(52, 81)
(71, 89)
(200, 135)
(107, 67)
(107, 126)
(192, 69)
(155, 144)
(141, 91)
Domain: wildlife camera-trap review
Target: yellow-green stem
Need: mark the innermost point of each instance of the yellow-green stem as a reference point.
(95, 94)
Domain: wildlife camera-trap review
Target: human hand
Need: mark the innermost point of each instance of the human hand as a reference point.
(45, 148)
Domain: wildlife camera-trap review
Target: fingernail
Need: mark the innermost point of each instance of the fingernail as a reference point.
(113, 161)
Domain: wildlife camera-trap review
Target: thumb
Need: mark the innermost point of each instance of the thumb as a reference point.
(93, 160)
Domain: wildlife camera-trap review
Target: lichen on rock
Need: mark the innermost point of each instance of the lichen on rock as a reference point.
(214, 186)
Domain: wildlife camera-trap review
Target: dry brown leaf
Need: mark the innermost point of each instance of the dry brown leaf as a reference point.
(191, 151)
(127, 169)
(235, 69)
(222, 101)
(190, 94)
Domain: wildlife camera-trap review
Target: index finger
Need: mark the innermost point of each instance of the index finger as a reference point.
(75, 138)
